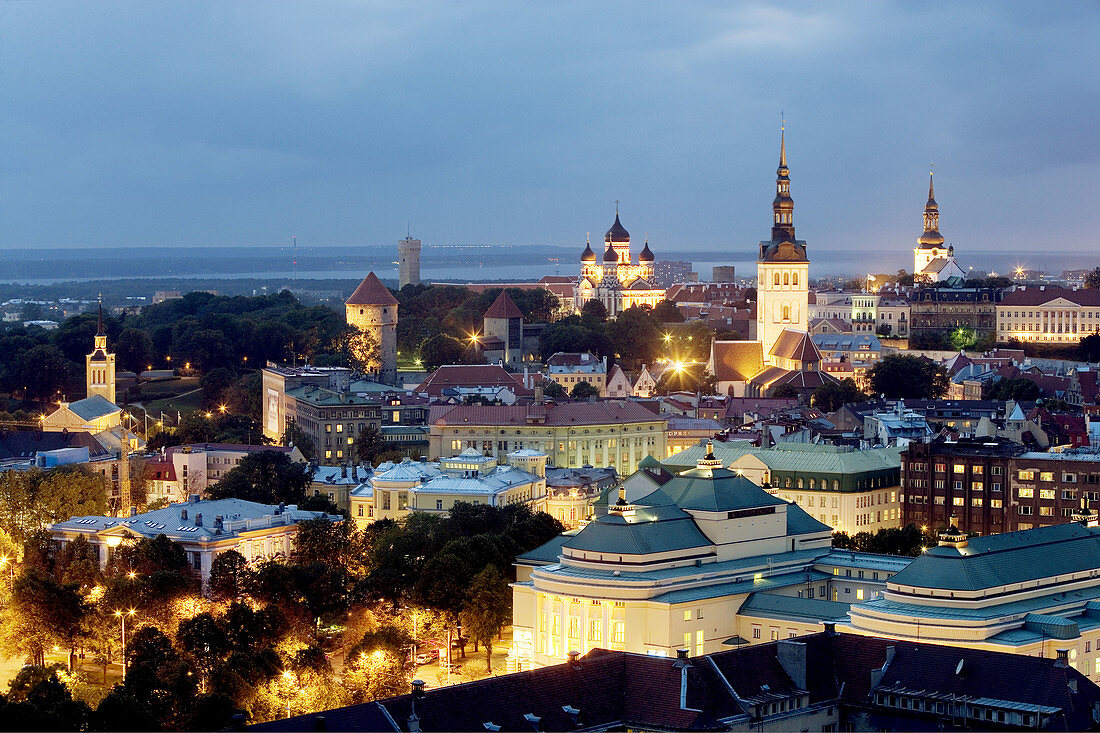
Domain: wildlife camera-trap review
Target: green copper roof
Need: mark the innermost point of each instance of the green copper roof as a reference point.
(1013, 557)
(715, 490)
(792, 608)
(800, 457)
(799, 521)
(615, 535)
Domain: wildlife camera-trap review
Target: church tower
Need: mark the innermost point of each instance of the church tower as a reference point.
(782, 268)
(99, 366)
(930, 249)
(373, 310)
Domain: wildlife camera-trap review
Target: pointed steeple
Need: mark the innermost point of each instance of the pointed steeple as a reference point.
(588, 255)
(931, 236)
(783, 205)
(99, 328)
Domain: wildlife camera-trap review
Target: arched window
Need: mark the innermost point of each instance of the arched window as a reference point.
(777, 278)
(836, 485)
(786, 313)
(794, 279)
(787, 484)
(786, 278)
(800, 483)
(813, 484)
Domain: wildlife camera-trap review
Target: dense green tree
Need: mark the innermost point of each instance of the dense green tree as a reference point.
(594, 309)
(46, 374)
(636, 336)
(228, 575)
(36, 498)
(270, 477)
(1017, 388)
(1092, 279)
(488, 609)
(584, 390)
(38, 700)
(909, 377)
(553, 390)
(832, 395)
(294, 435)
(215, 383)
(442, 349)
(134, 350)
(667, 312)
(42, 613)
(1089, 348)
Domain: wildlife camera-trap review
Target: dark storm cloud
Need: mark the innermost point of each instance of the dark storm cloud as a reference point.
(242, 123)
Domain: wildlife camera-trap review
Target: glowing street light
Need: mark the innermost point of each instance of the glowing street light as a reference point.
(221, 408)
(10, 563)
(122, 615)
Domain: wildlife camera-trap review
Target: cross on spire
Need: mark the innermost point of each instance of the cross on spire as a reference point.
(617, 202)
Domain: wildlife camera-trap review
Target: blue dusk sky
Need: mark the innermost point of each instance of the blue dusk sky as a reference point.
(168, 124)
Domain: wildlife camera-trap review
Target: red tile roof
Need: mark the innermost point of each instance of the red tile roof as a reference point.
(471, 375)
(371, 292)
(737, 361)
(1037, 296)
(503, 307)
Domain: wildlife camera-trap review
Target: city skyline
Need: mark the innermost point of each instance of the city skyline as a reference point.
(209, 124)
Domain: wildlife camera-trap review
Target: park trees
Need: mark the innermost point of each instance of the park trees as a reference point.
(833, 395)
(908, 377)
(267, 476)
(35, 498)
(488, 608)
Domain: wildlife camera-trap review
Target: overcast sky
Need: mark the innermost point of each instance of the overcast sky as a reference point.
(241, 123)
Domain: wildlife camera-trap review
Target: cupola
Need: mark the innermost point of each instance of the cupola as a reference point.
(617, 233)
(646, 255)
(588, 255)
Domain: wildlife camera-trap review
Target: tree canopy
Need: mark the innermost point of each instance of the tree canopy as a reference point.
(266, 476)
(908, 377)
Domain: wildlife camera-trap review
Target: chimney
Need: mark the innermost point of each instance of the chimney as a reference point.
(830, 628)
(683, 664)
(198, 520)
(192, 498)
(133, 511)
(417, 694)
(792, 657)
(219, 522)
(1063, 658)
(574, 656)
(183, 515)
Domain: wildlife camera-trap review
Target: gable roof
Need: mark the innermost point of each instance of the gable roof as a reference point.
(94, 407)
(371, 292)
(503, 307)
(470, 375)
(736, 361)
(795, 345)
(25, 444)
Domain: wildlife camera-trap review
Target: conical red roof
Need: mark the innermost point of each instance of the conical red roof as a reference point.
(371, 292)
(503, 307)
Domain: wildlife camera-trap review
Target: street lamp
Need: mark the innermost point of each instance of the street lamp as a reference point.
(122, 615)
(288, 677)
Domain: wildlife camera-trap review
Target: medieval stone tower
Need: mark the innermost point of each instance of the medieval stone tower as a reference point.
(373, 310)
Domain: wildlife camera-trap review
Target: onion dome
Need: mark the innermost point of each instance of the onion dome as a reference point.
(617, 232)
(588, 255)
(610, 255)
(646, 255)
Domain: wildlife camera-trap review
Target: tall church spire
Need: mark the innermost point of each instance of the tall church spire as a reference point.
(931, 236)
(783, 205)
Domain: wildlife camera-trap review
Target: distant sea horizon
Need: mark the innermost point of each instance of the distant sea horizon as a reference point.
(456, 263)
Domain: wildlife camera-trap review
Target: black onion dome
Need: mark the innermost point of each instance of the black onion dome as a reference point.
(646, 255)
(588, 255)
(610, 255)
(617, 232)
